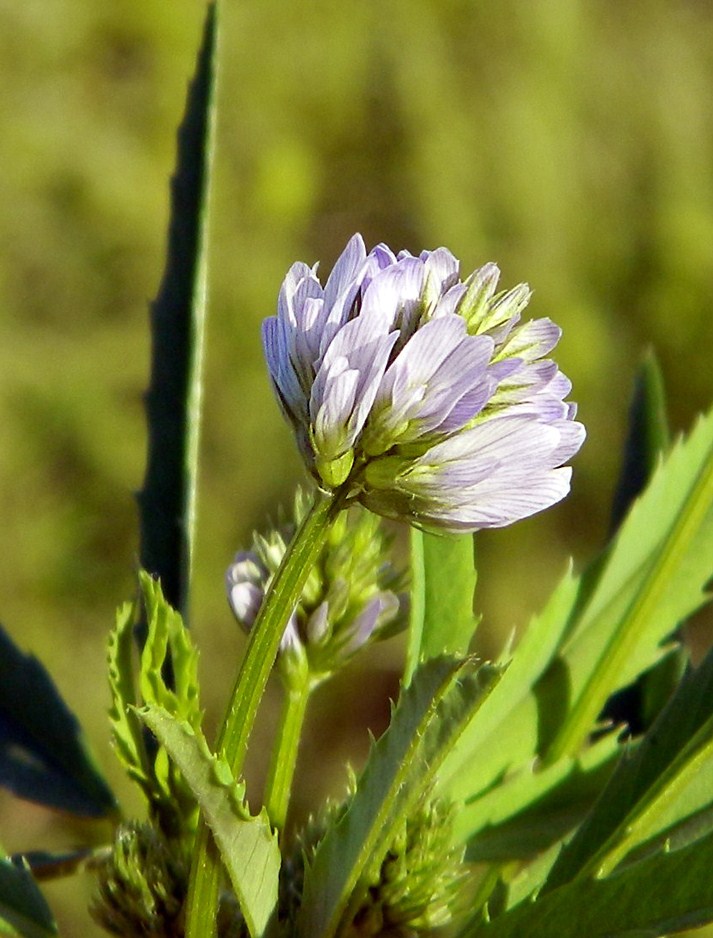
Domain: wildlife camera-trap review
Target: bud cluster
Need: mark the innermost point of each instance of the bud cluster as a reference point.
(351, 596)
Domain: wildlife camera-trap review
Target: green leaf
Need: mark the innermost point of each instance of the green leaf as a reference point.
(651, 579)
(504, 736)
(647, 440)
(44, 756)
(430, 715)
(167, 502)
(443, 584)
(532, 810)
(665, 893)
(167, 640)
(248, 846)
(662, 790)
(22, 905)
(127, 731)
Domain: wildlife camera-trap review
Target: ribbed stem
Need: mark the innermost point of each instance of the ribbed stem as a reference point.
(284, 756)
(260, 654)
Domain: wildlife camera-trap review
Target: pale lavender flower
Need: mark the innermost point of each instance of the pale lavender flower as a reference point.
(421, 394)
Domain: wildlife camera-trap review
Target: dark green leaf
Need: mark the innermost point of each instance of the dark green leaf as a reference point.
(662, 789)
(167, 501)
(22, 905)
(666, 893)
(647, 440)
(44, 756)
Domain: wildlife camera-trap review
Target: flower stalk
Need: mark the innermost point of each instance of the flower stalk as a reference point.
(284, 756)
(255, 669)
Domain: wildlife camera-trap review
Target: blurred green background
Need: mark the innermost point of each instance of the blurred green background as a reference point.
(570, 141)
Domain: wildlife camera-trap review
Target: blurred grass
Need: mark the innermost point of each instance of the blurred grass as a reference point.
(571, 142)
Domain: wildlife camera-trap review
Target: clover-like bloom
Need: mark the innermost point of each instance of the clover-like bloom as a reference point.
(422, 394)
(351, 597)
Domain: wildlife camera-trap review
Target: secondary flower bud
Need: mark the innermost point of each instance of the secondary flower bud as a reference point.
(421, 394)
(350, 597)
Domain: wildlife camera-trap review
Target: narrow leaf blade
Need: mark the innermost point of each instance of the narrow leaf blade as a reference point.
(167, 502)
(666, 781)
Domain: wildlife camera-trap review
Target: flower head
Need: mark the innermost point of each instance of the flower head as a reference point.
(424, 395)
(351, 595)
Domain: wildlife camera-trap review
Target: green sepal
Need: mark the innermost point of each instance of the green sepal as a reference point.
(44, 756)
(23, 909)
(248, 846)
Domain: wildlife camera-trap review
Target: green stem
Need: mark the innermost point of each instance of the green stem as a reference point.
(284, 755)
(250, 684)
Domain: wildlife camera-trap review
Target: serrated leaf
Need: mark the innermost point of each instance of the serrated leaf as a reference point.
(44, 756)
(166, 641)
(126, 729)
(533, 810)
(651, 579)
(443, 578)
(430, 715)
(665, 893)
(22, 905)
(662, 790)
(247, 844)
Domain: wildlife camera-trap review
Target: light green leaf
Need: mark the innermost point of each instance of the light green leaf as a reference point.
(127, 732)
(428, 718)
(532, 810)
(665, 893)
(662, 790)
(22, 906)
(651, 579)
(504, 736)
(443, 578)
(598, 632)
(167, 646)
(248, 846)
